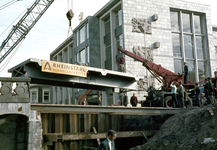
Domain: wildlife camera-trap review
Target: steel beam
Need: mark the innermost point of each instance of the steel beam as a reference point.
(97, 79)
(114, 110)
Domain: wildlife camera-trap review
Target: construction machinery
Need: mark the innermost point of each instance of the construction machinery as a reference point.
(163, 96)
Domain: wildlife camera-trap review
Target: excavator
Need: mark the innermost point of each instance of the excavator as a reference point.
(162, 97)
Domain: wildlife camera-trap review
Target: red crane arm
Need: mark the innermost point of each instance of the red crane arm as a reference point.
(160, 73)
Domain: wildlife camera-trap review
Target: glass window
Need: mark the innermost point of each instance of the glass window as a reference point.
(120, 40)
(191, 69)
(176, 45)
(197, 24)
(200, 47)
(82, 35)
(118, 16)
(174, 21)
(107, 25)
(186, 22)
(87, 30)
(188, 45)
(178, 66)
(83, 56)
(201, 70)
(46, 98)
(34, 96)
(108, 51)
(215, 34)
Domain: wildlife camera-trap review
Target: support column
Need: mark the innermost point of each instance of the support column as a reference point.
(45, 126)
(73, 121)
(58, 129)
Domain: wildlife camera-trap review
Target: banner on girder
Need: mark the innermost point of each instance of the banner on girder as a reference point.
(63, 68)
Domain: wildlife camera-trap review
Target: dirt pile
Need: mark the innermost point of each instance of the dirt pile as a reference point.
(191, 130)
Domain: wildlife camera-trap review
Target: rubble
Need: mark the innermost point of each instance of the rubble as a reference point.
(194, 129)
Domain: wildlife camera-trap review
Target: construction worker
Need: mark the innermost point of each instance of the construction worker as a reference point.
(181, 95)
(173, 92)
(121, 62)
(185, 73)
(108, 144)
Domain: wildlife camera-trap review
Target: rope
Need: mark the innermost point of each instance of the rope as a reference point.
(11, 56)
(15, 20)
(3, 6)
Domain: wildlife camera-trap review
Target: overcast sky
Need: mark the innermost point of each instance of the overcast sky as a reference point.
(51, 30)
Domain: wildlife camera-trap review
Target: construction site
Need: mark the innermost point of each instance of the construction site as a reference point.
(120, 69)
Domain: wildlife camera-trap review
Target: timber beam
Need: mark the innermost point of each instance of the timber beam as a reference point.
(112, 110)
(56, 137)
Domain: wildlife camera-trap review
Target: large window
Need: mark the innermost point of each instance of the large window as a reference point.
(118, 18)
(107, 25)
(82, 35)
(188, 41)
(83, 56)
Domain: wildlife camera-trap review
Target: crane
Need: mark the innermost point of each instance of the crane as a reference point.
(25, 24)
(161, 97)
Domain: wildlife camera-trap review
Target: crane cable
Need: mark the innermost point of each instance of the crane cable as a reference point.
(70, 15)
(11, 56)
(16, 19)
(7, 4)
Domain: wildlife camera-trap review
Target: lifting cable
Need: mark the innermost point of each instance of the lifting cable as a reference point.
(70, 15)
(8, 4)
(16, 19)
(11, 56)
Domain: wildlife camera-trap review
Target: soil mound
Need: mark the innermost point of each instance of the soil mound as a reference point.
(195, 129)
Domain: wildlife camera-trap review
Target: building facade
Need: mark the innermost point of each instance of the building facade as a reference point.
(168, 33)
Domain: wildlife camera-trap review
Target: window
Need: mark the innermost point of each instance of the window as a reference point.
(107, 25)
(120, 41)
(83, 56)
(108, 51)
(188, 42)
(118, 18)
(82, 35)
(46, 97)
(34, 96)
(176, 45)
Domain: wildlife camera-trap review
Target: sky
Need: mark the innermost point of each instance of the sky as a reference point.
(51, 30)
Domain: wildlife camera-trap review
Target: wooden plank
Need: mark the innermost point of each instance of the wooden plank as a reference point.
(94, 130)
(45, 127)
(90, 136)
(58, 129)
(113, 110)
(73, 120)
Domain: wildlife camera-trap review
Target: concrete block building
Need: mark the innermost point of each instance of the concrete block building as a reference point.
(168, 32)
